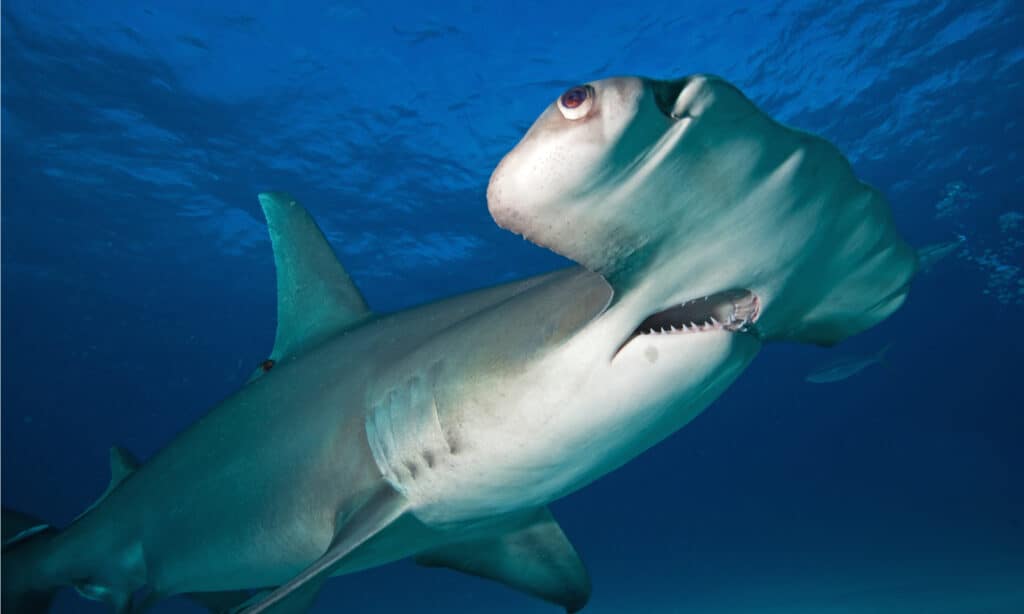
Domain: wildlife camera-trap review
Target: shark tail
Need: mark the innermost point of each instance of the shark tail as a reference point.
(26, 589)
(38, 560)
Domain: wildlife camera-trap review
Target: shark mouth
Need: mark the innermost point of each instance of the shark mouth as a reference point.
(730, 310)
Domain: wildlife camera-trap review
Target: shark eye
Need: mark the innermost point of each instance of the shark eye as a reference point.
(576, 102)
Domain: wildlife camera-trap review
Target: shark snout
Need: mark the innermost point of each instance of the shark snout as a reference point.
(549, 187)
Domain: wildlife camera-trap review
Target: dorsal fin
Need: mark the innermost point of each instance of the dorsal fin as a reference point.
(315, 296)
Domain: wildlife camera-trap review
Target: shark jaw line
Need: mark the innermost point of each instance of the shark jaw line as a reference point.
(733, 311)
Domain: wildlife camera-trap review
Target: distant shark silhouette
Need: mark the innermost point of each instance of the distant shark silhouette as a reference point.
(845, 367)
(703, 228)
(929, 255)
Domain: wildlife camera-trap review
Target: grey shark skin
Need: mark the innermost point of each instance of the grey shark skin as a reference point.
(442, 432)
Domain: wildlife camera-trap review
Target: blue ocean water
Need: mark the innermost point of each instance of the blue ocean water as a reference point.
(138, 284)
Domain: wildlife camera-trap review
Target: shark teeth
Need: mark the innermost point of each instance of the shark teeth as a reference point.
(734, 311)
(730, 310)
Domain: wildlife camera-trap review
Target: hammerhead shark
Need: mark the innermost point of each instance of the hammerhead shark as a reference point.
(702, 229)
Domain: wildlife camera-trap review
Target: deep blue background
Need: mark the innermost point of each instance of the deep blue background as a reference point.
(138, 286)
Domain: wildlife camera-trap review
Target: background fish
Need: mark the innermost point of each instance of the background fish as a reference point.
(845, 366)
(929, 255)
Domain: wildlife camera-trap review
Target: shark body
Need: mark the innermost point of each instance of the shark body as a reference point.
(703, 229)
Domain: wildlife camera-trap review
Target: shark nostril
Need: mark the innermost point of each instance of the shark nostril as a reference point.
(666, 93)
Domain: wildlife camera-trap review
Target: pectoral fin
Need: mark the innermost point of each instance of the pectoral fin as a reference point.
(382, 508)
(537, 559)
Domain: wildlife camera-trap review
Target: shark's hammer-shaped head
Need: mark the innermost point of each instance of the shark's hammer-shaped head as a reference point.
(715, 228)
(703, 213)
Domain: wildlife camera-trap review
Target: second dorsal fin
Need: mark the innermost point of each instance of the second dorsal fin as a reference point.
(315, 296)
(122, 464)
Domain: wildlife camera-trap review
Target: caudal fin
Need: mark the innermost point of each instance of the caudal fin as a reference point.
(23, 590)
(38, 559)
